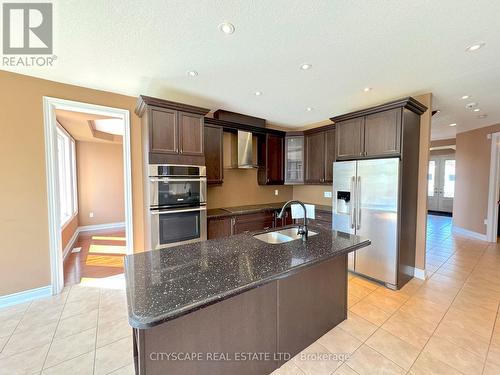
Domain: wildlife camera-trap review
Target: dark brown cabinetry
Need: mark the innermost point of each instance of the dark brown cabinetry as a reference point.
(219, 227)
(172, 132)
(323, 219)
(271, 159)
(213, 154)
(285, 220)
(319, 155)
(373, 135)
(253, 222)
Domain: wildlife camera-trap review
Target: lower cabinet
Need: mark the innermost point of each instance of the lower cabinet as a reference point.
(323, 219)
(253, 222)
(285, 220)
(219, 227)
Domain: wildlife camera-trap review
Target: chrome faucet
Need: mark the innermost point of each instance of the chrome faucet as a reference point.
(302, 230)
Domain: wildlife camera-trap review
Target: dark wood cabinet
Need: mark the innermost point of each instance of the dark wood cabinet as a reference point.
(191, 134)
(323, 219)
(163, 131)
(383, 133)
(172, 132)
(315, 158)
(373, 135)
(271, 160)
(253, 222)
(285, 220)
(329, 155)
(219, 227)
(349, 139)
(214, 154)
(319, 155)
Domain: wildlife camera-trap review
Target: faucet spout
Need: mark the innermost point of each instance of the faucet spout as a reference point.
(302, 230)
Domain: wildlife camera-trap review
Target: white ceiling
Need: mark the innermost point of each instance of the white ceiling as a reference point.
(397, 47)
(112, 126)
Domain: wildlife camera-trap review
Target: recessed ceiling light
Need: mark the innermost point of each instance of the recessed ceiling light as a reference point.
(192, 73)
(258, 93)
(367, 89)
(454, 124)
(475, 46)
(482, 116)
(476, 109)
(306, 66)
(226, 27)
(309, 109)
(465, 97)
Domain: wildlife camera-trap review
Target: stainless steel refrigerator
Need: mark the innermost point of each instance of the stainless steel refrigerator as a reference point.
(366, 196)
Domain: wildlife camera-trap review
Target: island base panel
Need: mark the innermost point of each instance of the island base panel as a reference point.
(274, 321)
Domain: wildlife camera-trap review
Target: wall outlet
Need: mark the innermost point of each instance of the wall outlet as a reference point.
(91, 214)
(327, 194)
(486, 221)
(276, 192)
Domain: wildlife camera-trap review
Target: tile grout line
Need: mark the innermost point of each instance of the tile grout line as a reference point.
(96, 331)
(491, 339)
(53, 335)
(14, 330)
(451, 304)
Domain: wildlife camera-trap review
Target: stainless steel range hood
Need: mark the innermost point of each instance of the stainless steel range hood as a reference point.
(242, 153)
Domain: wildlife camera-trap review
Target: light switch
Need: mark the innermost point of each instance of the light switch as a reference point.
(91, 214)
(327, 194)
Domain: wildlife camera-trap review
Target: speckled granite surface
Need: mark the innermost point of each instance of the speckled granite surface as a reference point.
(248, 209)
(165, 284)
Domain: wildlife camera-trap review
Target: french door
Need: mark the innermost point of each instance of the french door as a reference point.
(441, 183)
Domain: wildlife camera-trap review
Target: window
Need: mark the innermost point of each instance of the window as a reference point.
(449, 178)
(431, 178)
(66, 160)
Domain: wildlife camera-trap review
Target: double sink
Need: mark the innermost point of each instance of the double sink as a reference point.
(282, 236)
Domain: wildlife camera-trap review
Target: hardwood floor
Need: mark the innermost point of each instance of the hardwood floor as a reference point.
(101, 256)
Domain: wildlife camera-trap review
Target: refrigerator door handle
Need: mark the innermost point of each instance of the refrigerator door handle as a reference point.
(353, 203)
(358, 205)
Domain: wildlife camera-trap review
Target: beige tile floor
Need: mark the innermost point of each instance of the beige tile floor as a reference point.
(449, 324)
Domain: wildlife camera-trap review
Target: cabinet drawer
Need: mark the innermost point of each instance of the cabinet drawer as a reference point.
(258, 216)
(252, 226)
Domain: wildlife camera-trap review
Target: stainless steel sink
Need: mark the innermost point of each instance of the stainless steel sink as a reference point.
(282, 236)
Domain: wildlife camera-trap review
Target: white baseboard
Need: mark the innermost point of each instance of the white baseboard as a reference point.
(25, 296)
(87, 228)
(419, 273)
(70, 244)
(470, 233)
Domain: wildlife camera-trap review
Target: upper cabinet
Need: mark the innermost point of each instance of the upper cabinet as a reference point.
(319, 155)
(374, 132)
(172, 132)
(349, 139)
(294, 159)
(214, 154)
(270, 160)
(383, 133)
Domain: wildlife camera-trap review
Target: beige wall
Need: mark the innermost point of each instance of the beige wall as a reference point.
(24, 191)
(68, 231)
(425, 139)
(100, 182)
(312, 194)
(470, 206)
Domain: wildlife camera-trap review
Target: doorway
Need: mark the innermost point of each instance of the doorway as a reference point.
(441, 184)
(56, 203)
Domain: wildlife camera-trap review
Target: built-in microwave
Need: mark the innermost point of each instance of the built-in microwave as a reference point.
(177, 204)
(174, 186)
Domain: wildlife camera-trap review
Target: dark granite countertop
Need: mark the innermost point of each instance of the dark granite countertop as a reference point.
(165, 284)
(248, 209)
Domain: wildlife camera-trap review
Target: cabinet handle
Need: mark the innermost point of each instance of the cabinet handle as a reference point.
(266, 228)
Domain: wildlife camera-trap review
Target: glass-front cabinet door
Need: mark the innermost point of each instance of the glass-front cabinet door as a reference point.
(294, 160)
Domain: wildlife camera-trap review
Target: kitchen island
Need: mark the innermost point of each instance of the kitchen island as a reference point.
(235, 305)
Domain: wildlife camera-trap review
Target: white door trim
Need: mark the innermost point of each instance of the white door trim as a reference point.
(50, 124)
(493, 194)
